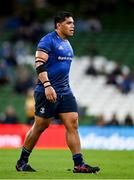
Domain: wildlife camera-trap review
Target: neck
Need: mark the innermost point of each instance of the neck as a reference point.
(61, 34)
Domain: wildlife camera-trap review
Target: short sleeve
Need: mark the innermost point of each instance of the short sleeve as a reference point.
(45, 44)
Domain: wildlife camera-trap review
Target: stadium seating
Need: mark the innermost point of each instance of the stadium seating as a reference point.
(96, 95)
(115, 45)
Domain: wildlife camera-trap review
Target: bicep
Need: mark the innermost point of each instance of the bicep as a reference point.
(40, 58)
(42, 55)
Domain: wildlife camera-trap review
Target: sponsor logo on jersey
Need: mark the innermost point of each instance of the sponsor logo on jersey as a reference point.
(64, 58)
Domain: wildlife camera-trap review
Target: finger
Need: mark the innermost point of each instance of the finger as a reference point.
(54, 97)
(48, 97)
(51, 98)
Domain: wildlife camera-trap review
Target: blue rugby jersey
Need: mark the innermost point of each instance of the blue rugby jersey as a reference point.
(59, 61)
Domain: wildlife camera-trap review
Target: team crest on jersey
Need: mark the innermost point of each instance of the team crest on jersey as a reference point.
(60, 47)
(42, 110)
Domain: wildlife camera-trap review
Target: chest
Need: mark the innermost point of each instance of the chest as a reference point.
(63, 50)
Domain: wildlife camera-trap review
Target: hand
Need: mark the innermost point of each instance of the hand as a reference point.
(50, 94)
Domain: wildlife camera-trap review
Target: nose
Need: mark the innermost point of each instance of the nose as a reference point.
(73, 25)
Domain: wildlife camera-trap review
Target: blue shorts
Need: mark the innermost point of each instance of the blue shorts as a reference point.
(47, 109)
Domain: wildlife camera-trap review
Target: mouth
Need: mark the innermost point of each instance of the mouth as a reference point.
(72, 30)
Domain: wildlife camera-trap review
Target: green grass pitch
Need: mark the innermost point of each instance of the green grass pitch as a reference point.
(57, 164)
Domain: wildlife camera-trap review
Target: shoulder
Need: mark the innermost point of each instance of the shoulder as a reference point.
(47, 42)
(48, 37)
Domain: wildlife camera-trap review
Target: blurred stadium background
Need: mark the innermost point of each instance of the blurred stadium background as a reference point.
(102, 74)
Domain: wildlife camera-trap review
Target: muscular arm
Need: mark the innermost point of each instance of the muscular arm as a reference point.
(40, 58)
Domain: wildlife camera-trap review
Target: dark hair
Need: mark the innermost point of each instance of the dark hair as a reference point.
(60, 17)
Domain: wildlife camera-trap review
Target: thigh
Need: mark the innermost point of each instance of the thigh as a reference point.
(43, 107)
(67, 103)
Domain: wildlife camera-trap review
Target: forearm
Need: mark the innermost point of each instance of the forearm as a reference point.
(49, 91)
(43, 77)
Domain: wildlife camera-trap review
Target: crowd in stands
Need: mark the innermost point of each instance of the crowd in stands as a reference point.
(29, 20)
(9, 117)
(29, 106)
(118, 75)
(128, 121)
(123, 81)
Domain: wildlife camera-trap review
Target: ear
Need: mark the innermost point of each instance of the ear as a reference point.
(58, 25)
